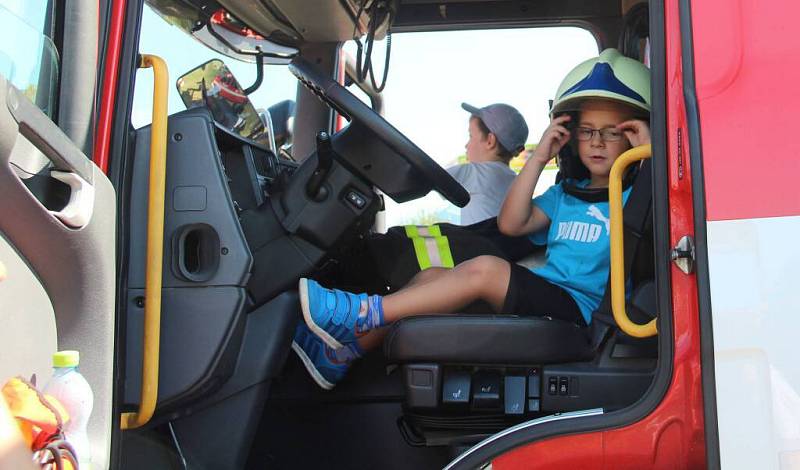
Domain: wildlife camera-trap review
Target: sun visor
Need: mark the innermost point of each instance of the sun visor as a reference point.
(297, 22)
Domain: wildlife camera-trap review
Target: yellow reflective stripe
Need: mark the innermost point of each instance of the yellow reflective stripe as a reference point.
(429, 231)
(444, 252)
(412, 231)
(422, 253)
(431, 248)
(437, 252)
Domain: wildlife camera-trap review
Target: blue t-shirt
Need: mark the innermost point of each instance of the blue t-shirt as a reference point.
(578, 252)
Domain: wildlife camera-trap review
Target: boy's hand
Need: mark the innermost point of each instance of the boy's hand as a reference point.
(637, 132)
(553, 139)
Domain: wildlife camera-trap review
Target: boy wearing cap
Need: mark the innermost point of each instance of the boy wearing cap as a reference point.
(496, 134)
(601, 108)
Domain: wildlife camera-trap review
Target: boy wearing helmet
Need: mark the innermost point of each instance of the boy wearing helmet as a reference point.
(605, 100)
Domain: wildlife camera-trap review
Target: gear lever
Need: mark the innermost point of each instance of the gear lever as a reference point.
(314, 188)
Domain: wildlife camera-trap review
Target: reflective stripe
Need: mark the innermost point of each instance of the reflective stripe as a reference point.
(443, 248)
(424, 231)
(432, 249)
(421, 252)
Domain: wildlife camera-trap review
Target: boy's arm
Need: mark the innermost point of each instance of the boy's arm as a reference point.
(518, 216)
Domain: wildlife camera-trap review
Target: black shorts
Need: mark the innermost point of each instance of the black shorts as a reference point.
(531, 295)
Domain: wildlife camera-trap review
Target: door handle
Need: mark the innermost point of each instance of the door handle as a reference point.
(155, 246)
(617, 274)
(78, 211)
(46, 136)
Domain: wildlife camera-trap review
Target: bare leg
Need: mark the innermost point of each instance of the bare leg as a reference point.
(442, 290)
(484, 277)
(374, 338)
(426, 276)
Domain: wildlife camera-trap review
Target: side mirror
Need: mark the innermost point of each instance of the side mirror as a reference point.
(212, 85)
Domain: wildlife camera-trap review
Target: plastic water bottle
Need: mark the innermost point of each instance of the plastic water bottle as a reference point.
(72, 390)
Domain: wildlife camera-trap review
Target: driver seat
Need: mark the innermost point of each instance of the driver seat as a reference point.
(474, 374)
(509, 339)
(487, 339)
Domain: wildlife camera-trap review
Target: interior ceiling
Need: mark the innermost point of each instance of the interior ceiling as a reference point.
(294, 22)
(311, 21)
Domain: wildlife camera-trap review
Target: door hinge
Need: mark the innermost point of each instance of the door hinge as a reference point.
(683, 254)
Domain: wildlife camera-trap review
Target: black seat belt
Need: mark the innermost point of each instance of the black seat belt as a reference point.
(636, 215)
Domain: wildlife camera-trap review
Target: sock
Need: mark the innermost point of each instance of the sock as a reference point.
(371, 315)
(347, 354)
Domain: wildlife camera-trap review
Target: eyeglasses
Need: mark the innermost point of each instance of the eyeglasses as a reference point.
(609, 134)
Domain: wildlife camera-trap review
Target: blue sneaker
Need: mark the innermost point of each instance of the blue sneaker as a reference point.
(320, 360)
(331, 313)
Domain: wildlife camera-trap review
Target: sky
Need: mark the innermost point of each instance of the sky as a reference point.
(430, 75)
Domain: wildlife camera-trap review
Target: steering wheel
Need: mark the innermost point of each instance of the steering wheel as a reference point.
(372, 124)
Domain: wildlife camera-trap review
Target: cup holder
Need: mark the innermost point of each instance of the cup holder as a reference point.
(198, 252)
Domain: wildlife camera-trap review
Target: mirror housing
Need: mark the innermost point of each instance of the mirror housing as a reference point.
(213, 86)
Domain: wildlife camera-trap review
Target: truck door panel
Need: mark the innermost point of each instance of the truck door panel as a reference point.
(206, 265)
(61, 293)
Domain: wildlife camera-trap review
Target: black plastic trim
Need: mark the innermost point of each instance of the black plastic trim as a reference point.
(700, 240)
(56, 33)
(120, 173)
(103, 26)
(663, 372)
(459, 14)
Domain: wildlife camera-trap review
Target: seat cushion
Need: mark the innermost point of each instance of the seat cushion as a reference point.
(486, 339)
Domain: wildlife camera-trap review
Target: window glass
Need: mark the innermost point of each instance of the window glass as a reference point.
(183, 53)
(36, 13)
(350, 55)
(28, 58)
(432, 73)
(359, 93)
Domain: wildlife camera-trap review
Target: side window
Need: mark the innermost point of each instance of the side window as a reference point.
(349, 57)
(28, 57)
(358, 92)
(183, 53)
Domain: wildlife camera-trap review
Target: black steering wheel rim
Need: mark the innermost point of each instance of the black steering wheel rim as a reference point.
(348, 105)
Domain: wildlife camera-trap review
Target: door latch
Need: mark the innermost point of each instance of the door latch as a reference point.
(683, 254)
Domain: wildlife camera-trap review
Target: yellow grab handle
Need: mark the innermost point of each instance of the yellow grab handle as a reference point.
(617, 244)
(155, 245)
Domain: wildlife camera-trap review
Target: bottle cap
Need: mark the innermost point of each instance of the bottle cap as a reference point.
(66, 359)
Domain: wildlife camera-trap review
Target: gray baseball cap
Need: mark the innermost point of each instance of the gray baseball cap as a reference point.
(505, 122)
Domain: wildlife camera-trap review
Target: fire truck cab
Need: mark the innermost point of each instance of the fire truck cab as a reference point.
(167, 250)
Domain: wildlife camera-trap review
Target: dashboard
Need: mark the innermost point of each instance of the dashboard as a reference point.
(253, 171)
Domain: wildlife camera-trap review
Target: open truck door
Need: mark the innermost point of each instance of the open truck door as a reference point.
(57, 209)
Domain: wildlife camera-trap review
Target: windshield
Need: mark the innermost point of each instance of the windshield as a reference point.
(432, 73)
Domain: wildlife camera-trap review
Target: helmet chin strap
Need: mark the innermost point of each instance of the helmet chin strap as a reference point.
(589, 194)
(570, 186)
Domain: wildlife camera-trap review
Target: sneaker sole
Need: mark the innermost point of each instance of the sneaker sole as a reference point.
(317, 330)
(312, 370)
